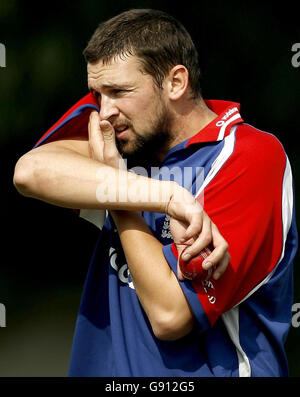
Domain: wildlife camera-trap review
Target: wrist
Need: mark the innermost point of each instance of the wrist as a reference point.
(169, 190)
(178, 196)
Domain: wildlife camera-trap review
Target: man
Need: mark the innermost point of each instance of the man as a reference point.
(137, 318)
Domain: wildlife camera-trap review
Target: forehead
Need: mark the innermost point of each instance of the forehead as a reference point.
(116, 71)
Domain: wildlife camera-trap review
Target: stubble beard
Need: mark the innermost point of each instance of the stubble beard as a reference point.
(141, 150)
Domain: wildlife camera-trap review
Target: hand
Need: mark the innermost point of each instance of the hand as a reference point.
(102, 142)
(190, 225)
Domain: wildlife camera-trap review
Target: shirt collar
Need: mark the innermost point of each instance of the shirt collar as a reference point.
(219, 128)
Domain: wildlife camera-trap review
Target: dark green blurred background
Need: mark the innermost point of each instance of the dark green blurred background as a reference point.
(45, 251)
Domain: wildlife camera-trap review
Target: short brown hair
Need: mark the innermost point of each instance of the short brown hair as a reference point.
(156, 38)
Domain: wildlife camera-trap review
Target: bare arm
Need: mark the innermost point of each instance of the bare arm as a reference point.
(155, 283)
(61, 173)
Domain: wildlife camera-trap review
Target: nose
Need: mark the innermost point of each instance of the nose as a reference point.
(108, 108)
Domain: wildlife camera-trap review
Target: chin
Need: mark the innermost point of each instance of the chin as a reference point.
(127, 148)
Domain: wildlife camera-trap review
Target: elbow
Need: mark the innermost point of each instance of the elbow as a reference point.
(23, 175)
(171, 327)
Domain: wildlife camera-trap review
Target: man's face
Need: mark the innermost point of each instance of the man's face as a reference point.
(132, 103)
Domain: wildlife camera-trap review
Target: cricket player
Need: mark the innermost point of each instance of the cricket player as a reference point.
(138, 315)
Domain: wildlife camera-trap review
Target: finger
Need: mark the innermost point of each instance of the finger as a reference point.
(178, 228)
(219, 255)
(179, 273)
(194, 228)
(202, 241)
(216, 255)
(221, 267)
(93, 124)
(95, 137)
(111, 153)
(108, 134)
(89, 125)
(180, 248)
(194, 216)
(90, 148)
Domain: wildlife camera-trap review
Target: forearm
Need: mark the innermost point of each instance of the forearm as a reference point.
(65, 178)
(155, 283)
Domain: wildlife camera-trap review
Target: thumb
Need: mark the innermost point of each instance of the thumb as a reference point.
(108, 132)
(111, 154)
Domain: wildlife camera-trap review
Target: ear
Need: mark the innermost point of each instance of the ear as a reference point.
(177, 82)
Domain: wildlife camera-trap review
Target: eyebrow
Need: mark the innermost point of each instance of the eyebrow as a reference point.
(110, 85)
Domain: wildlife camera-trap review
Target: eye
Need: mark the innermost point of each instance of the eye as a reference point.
(96, 94)
(116, 91)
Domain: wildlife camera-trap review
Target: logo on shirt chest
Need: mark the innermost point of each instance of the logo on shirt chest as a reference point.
(166, 233)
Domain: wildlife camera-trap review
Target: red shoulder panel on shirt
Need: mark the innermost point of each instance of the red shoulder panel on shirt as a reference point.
(244, 200)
